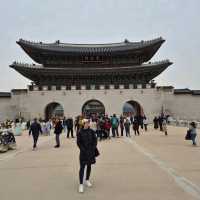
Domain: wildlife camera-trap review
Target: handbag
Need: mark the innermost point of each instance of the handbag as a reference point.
(188, 135)
(96, 152)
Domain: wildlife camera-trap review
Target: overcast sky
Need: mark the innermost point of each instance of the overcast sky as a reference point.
(102, 21)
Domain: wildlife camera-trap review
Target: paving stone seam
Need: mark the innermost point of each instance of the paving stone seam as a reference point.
(184, 183)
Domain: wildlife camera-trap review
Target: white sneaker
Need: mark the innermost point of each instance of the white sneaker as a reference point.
(81, 189)
(87, 183)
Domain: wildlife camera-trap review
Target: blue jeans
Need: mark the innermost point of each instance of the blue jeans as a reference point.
(115, 131)
(65, 128)
(193, 137)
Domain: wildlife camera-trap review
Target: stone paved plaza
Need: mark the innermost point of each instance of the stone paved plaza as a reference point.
(151, 166)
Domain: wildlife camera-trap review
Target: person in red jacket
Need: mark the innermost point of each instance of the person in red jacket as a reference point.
(107, 126)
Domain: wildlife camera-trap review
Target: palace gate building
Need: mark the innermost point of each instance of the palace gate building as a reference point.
(70, 79)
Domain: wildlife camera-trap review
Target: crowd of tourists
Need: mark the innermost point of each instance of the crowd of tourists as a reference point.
(103, 126)
(17, 126)
(106, 127)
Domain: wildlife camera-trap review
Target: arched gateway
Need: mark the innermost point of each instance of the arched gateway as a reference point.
(132, 108)
(54, 109)
(93, 106)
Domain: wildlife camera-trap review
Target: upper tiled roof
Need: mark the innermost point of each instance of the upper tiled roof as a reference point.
(109, 47)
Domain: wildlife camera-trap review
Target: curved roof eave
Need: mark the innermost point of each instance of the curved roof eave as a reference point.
(36, 69)
(88, 48)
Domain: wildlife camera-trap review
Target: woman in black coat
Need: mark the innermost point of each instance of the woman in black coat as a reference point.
(136, 126)
(87, 143)
(58, 130)
(155, 121)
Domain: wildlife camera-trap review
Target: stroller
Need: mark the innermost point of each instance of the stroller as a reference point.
(7, 141)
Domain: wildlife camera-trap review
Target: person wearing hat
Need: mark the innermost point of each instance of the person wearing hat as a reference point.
(193, 133)
(87, 143)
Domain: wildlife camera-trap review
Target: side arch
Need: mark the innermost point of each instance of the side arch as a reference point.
(133, 108)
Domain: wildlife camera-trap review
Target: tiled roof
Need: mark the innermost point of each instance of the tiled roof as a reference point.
(187, 91)
(5, 94)
(110, 47)
(34, 67)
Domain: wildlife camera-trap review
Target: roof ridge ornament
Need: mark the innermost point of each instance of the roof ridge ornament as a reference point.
(126, 41)
(57, 42)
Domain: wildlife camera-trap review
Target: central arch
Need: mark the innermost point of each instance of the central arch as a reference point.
(54, 109)
(93, 107)
(132, 108)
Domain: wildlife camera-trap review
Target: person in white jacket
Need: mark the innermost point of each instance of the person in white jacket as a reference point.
(145, 122)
